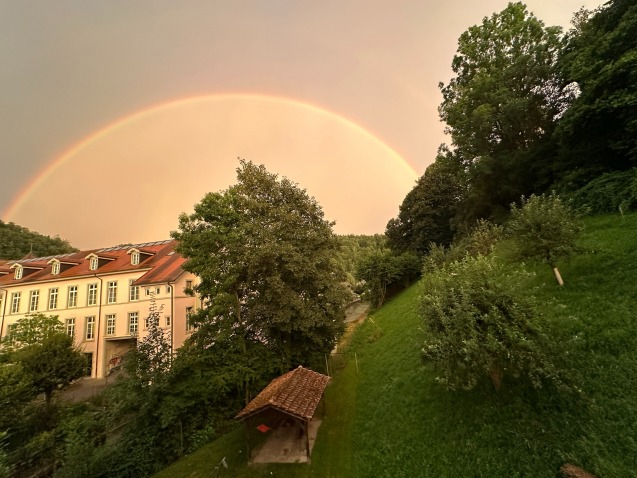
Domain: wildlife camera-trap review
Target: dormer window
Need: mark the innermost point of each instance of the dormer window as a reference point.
(93, 263)
(18, 272)
(55, 268)
(134, 258)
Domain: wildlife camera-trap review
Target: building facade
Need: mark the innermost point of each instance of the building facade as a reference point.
(102, 296)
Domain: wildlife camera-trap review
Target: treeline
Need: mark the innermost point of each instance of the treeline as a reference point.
(17, 241)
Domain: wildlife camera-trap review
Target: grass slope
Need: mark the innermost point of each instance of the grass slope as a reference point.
(392, 419)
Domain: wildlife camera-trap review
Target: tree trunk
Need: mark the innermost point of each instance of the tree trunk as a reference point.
(496, 377)
(558, 277)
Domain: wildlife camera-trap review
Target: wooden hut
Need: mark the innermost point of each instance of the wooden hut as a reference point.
(286, 408)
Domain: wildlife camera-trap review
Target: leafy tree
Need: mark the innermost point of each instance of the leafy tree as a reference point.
(150, 361)
(598, 133)
(427, 211)
(51, 364)
(480, 321)
(16, 242)
(33, 329)
(383, 269)
(545, 228)
(265, 257)
(500, 109)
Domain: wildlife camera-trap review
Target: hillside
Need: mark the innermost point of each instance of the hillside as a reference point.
(392, 419)
(17, 241)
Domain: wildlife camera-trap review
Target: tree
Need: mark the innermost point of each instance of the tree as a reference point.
(479, 321)
(265, 257)
(598, 133)
(32, 329)
(46, 355)
(16, 242)
(51, 364)
(500, 109)
(545, 229)
(428, 209)
(383, 269)
(150, 361)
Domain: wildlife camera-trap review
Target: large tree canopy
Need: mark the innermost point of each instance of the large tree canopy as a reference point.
(599, 131)
(427, 210)
(264, 254)
(502, 105)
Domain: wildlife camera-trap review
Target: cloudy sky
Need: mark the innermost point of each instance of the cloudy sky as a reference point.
(116, 116)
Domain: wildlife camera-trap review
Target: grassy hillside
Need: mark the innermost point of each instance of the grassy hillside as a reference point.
(392, 419)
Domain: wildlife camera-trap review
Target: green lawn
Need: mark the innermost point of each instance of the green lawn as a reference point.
(392, 419)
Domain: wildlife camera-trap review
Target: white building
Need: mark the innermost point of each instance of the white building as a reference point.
(102, 296)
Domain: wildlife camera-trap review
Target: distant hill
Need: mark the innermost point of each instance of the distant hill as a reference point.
(17, 241)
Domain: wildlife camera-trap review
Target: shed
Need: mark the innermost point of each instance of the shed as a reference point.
(286, 407)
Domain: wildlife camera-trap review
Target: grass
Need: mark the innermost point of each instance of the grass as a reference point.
(392, 419)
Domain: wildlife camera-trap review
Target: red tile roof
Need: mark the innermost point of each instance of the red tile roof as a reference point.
(296, 393)
(161, 267)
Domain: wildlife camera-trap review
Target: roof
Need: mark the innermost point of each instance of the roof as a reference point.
(296, 393)
(162, 264)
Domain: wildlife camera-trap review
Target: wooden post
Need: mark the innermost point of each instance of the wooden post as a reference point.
(247, 424)
(558, 276)
(307, 440)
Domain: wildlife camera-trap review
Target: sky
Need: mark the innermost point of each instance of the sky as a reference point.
(115, 117)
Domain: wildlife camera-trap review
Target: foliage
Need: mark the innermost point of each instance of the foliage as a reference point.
(545, 228)
(481, 240)
(32, 330)
(598, 133)
(353, 248)
(608, 193)
(383, 269)
(500, 109)
(264, 254)
(51, 364)
(16, 242)
(150, 361)
(427, 211)
(479, 322)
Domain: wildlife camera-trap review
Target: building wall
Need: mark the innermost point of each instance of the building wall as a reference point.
(111, 330)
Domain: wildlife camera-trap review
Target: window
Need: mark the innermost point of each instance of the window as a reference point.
(55, 270)
(112, 292)
(10, 337)
(53, 298)
(146, 323)
(93, 263)
(72, 300)
(134, 258)
(147, 291)
(110, 324)
(92, 295)
(189, 326)
(15, 302)
(34, 300)
(70, 327)
(18, 273)
(90, 328)
(168, 321)
(133, 293)
(189, 285)
(133, 318)
(167, 289)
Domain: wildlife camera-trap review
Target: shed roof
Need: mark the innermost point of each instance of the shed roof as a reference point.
(296, 393)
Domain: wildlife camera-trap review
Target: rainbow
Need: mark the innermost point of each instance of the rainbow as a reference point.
(24, 194)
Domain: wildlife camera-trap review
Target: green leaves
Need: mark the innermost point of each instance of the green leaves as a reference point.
(264, 253)
(544, 228)
(479, 321)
